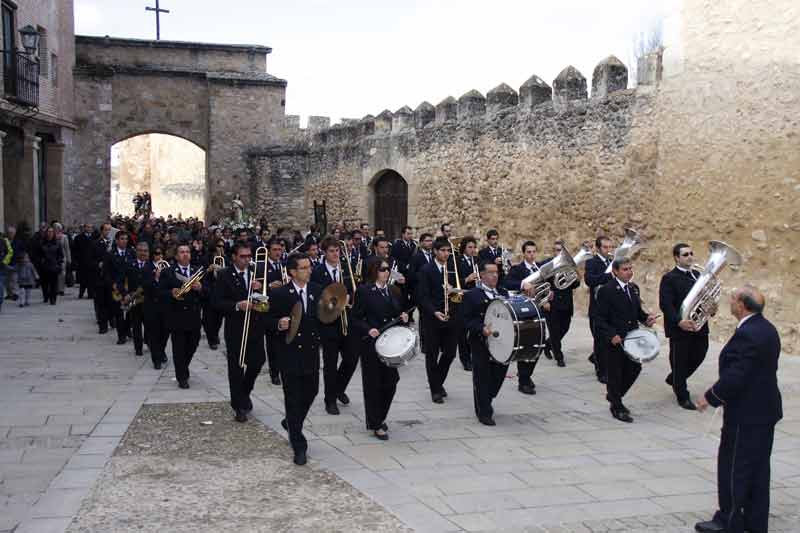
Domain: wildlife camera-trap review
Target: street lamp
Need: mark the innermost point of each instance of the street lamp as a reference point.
(30, 39)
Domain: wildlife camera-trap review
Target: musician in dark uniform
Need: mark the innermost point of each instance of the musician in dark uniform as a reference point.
(514, 281)
(155, 309)
(440, 328)
(748, 389)
(375, 307)
(687, 345)
(595, 276)
(492, 253)
(275, 274)
(560, 315)
(336, 376)
(83, 257)
(298, 360)
(403, 250)
(487, 374)
(468, 269)
(135, 279)
(115, 269)
(102, 294)
(183, 315)
(230, 299)
(619, 311)
(212, 319)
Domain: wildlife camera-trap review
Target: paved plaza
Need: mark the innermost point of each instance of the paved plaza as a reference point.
(556, 461)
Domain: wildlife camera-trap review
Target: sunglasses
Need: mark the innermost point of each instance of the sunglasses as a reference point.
(687, 254)
(383, 269)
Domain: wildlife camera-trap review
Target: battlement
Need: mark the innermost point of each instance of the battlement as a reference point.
(568, 91)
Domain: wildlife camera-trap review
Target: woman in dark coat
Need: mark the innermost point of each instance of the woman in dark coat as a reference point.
(51, 261)
(375, 306)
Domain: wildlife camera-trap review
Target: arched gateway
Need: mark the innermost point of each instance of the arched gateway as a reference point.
(391, 202)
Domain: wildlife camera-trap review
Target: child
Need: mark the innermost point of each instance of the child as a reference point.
(26, 278)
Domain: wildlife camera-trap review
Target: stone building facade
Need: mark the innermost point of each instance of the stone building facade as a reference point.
(36, 109)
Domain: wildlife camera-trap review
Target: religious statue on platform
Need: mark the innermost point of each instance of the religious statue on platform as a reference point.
(237, 209)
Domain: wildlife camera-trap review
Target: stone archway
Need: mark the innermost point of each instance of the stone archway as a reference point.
(391, 202)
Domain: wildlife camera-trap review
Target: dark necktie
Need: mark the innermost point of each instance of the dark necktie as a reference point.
(335, 275)
(628, 293)
(141, 265)
(385, 293)
(185, 272)
(302, 300)
(241, 276)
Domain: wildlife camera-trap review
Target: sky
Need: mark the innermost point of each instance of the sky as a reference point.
(350, 58)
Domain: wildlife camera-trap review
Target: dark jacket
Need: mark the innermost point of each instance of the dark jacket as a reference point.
(465, 268)
(748, 375)
(562, 301)
(615, 313)
(51, 257)
(155, 300)
(374, 310)
(674, 287)
(486, 255)
(83, 253)
(228, 291)
(182, 315)
(301, 356)
(595, 276)
(322, 277)
(402, 253)
(429, 294)
(116, 267)
(518, 272)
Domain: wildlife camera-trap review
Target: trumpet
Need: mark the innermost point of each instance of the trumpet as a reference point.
(218, 263)
(178, 294)
(394, 275)
(161, 265)
(506, 254)
(359, 268)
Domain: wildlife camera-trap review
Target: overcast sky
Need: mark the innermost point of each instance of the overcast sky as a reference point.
(349, 58)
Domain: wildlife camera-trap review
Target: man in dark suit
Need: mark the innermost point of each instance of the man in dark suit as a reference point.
(514, 281)
(748, 389)
(687, 345)
(230, 300)
(619, 311)
(299, 359)
(560, 316)
(403, 249)
(487, 374)
(441, 337)
(102, 294)
(492, 253)
(334, 341)
(468, 269)
(155, 308)
(83, 261)
(135, 281)
(275, 274)
(183, 316)
(115, 269)
(595, 276)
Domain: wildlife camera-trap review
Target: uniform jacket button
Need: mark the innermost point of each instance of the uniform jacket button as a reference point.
(299, 345)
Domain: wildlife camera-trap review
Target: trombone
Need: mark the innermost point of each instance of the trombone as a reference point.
(456, 295)
(445, 292)
(219, 262)
(246, 323)
(260, 300)
(352, 283)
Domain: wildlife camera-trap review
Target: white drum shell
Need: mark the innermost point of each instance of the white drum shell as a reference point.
(396, 346)
(641, 345)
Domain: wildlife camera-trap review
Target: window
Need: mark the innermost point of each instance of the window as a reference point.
(54, 69)
(9, 48)
(42, 53)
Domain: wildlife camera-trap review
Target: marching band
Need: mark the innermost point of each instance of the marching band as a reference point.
(351, 297)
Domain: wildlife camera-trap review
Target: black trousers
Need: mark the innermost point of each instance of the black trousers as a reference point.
(441, 341)
(558, 322)
(487, 377)
(272, 354)
(336, 378)
(184, 344)
(686, 354)
(525, 371)
(86, 282)
(136, 321)
(622, 373)
(212, 322)
(102, 305)
(122, 322)
(380, 384)
(743, 474)
(49, 281)
(299, 391)
(241, 382)
(464, 350)
(600, 363)
(157, 334)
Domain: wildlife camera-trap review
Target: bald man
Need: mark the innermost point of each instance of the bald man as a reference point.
(748, 389)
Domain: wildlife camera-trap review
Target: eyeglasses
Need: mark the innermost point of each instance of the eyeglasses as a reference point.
(687, 254)
(383, 269)
(445, 250)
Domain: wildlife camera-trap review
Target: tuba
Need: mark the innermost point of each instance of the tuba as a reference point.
(702, 300)
(560, 264)
(631, 244)
(563, 280)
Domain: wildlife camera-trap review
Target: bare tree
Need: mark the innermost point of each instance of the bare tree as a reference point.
(644, 43)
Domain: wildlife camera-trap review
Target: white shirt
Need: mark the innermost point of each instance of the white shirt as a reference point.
(440, 266)
(742, 321)
(331, 268)
(605, 259)
(530, 266)
(246, 275)
(120, 252)
(305, 294)
(622, 284)
(687, 270)
(491, 293)
(187, 269)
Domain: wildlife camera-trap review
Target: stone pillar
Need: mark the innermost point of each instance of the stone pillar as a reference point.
(55, 183)
(570, 85)
(501, 97)
(446, 110)
(29, 181)
(534, 92)
(424, 114)
(383, 122)
(2, 186)
(402, 119)
(471, 104)
(609, 75)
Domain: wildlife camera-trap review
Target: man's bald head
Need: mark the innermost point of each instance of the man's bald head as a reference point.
(747, 300)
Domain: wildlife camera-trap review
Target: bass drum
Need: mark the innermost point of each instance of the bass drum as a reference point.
(396, 346)
(641, 345)
(519, 330)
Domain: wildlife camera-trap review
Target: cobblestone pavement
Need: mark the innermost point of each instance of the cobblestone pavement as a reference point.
(555, 462)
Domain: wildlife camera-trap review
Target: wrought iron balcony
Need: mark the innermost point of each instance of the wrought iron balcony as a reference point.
(20, 79)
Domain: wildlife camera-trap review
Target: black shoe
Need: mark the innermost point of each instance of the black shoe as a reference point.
(276, 379)
(284, 425)
(712, 526)
(331, 408)
(548, 354)
(249, 408)
(468, 367)
(241, 416)
(120, 341)
(344, 399)
(164, 359)
(444, 393)
(157, 365)
(527, 389)
(621, 414)
(384, 427)
(602, 379)
(300, 458)
(560, 362)
(139, 352)
(487, 421)
(213, 346)
(437, 397)
(183, 384)
(592, 359)
(668, 381)
(687, 404)
(381, 434)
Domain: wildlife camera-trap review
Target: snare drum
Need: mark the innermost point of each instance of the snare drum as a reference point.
(396, 346)
(641, 345)
(519, 330)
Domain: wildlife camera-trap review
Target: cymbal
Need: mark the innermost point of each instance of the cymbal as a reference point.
(332, 302)
(296, 317)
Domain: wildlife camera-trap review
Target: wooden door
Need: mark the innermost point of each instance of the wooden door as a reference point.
(391, 204)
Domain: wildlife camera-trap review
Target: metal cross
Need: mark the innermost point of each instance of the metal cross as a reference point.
(158, 11)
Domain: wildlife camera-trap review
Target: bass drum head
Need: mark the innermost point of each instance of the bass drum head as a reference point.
(500, 319)
(641, 345)
(396, 346)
